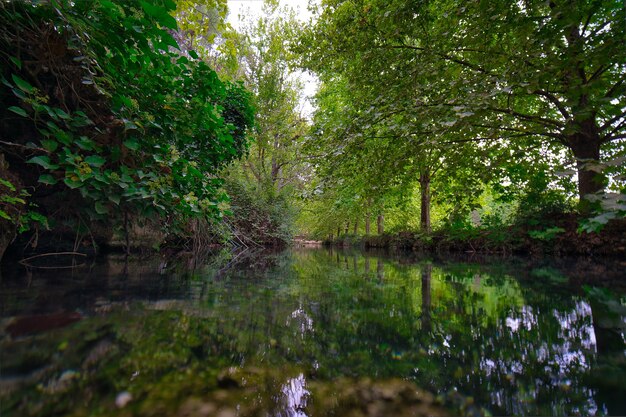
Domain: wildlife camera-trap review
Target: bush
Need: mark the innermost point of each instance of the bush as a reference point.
(258, 216)
(108, 119)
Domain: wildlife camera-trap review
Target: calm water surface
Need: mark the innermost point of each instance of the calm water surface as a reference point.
(277, 334)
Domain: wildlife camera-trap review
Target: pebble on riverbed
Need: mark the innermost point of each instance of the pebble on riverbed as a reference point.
(122, 399)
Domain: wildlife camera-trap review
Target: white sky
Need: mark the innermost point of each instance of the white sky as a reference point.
(242, 10)
(252, 8)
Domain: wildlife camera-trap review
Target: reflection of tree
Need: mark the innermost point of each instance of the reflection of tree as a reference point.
(608, 325)
(380, 269)
(512, 347)
(427, 271)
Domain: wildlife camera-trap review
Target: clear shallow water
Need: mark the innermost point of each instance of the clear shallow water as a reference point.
(293, 334)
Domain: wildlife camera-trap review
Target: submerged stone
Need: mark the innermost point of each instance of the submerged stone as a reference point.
(257, 392)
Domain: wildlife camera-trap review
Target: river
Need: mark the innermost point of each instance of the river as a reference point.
(311, 332)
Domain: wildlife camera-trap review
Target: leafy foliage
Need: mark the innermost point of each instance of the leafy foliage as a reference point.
(112, 115)
(516, 97)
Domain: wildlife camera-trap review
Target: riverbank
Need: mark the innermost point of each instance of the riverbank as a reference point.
(561, 239)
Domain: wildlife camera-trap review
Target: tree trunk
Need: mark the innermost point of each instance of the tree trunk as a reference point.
(368, 216)
(347, 227)
(356, 226)
(380, 224)
(586, 150)
(425, 202)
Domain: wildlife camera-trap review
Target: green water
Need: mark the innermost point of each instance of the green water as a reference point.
(293, 334)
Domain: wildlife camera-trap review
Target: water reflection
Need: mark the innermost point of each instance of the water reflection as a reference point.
(486, 331)
(294, 399)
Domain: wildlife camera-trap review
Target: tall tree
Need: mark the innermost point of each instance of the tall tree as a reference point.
(275, 160)
(531, 71)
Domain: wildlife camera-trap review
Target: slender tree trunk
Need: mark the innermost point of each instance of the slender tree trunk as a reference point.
(338, 231)
(380, 223)
(425, 202)
(368, 216)
(356, 226)
(347, 227)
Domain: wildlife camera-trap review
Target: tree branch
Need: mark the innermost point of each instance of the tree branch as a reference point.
(529, 117)
(612, 120)
(615, 87)
(554, 100)
(447, 57)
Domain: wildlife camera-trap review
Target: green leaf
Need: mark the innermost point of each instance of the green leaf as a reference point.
(108, 5)
(61, 113)
(63, 137)
(50, 145)
(101, 208)
(47, 179)
(132, 144)
(85, 143)
(95, 161)
(19, 94)
(50, 112)
(72, 184)
(169, 40)
(124, 100)
(16, 61)
(12, 200)
(193, 54)
(43, 161)
(22, 84)
(5, 216)
(18, 110)
(160, 15)
(114, 198)
(7, 184)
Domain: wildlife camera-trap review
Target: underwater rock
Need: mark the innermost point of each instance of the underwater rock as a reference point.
(255, 392)
(194, 407)
(103, 349)
(62, 384)
(367, 398)
(122, 399)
